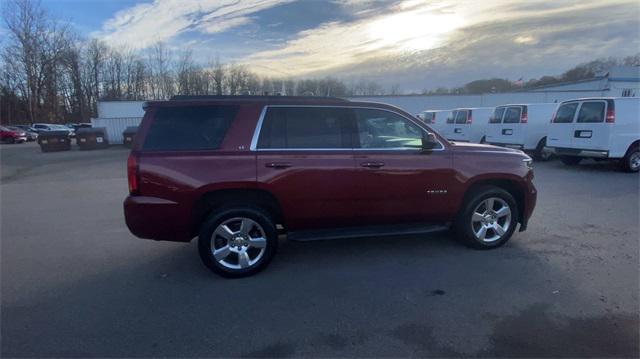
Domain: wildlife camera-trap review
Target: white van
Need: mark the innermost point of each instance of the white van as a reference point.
(436, 119)
(522, 126)
(601, 128)
(468, 124)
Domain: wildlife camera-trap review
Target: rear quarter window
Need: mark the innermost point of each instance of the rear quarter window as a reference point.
(565, 113)
(189, 128)
(591, 112)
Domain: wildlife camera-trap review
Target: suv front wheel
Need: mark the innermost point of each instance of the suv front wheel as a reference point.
(237, 241)
(488, 220)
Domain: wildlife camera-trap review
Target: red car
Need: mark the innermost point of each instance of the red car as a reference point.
(12, 136)
(238, 171)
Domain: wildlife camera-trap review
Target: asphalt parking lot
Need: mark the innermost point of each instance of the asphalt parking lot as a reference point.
(76, 283)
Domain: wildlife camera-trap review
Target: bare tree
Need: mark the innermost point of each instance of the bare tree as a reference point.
(34, 48)
(161, 79)
(218, 75)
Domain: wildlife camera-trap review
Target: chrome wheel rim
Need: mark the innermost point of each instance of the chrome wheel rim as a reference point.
(491, 219)
(238, 243)
(634, 161)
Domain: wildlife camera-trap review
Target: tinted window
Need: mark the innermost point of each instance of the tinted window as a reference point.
(566, 112)
(591, 112)
(384, 129)
(461, 117)
(189, 128)
(512, 115)
(451, 116)
(305, 127)
(497, 115)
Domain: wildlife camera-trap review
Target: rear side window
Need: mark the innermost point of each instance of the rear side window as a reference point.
(591, 112)
(512, 115)
(497, 115)
(189, 128)
(305, 127)
(429, 117)
(566, 112)
(461, 117)
(451, 117)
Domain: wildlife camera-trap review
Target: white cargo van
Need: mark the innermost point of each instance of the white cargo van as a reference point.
(600, 128)
(522, 126)
(468, 124)
(436, 119)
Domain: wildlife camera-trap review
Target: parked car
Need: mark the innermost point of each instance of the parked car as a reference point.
(40, 127)
(82, 125)
(8, 135)
(231, 169)
(468, 124)
(436, 119)
(599, 128)
(30, 134)
(522, 126)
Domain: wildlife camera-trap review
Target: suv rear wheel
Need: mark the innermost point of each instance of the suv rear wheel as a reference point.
(488, 220)
(237, 241)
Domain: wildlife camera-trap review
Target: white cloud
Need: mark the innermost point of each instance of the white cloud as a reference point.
(143, 25)
(414, 37)
(335, 44)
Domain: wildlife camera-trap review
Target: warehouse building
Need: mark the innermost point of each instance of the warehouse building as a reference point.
(620, 81)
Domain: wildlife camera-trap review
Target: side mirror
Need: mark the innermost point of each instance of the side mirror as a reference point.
(429, 142)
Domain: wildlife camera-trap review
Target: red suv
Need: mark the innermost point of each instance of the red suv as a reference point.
(238, 171)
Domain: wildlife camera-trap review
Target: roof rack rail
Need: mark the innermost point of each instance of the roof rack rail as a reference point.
(251, 97)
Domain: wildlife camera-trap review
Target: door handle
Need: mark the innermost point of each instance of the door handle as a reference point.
(372, 164)
(278, 165)
(582, 134)
(457, 130)
(507, 132)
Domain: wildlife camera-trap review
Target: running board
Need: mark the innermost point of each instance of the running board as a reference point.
(369, 231)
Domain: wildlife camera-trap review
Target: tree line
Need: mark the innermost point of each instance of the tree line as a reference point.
(49, 74)
(583, 71)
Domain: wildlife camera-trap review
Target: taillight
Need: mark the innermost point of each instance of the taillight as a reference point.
(611, 115)
(132, 173)
(433, 119)
(524, 116)
(469, 117)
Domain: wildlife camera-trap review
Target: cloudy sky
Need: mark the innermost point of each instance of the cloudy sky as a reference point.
(415, 44)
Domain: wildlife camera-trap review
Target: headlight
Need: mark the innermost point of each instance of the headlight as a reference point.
(528, 162)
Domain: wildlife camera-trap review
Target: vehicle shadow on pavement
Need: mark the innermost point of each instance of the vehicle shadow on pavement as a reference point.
(391, 296)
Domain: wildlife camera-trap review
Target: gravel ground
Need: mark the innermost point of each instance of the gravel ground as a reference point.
(76, 283)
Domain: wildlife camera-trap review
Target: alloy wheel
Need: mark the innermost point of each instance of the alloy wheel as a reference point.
(491, 219)
(238, 243)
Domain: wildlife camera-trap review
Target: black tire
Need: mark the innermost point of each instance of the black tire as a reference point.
(261, 217)
(540, 154)
(10, 140)
(464, 228)
(628, 162)
(570, 160)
